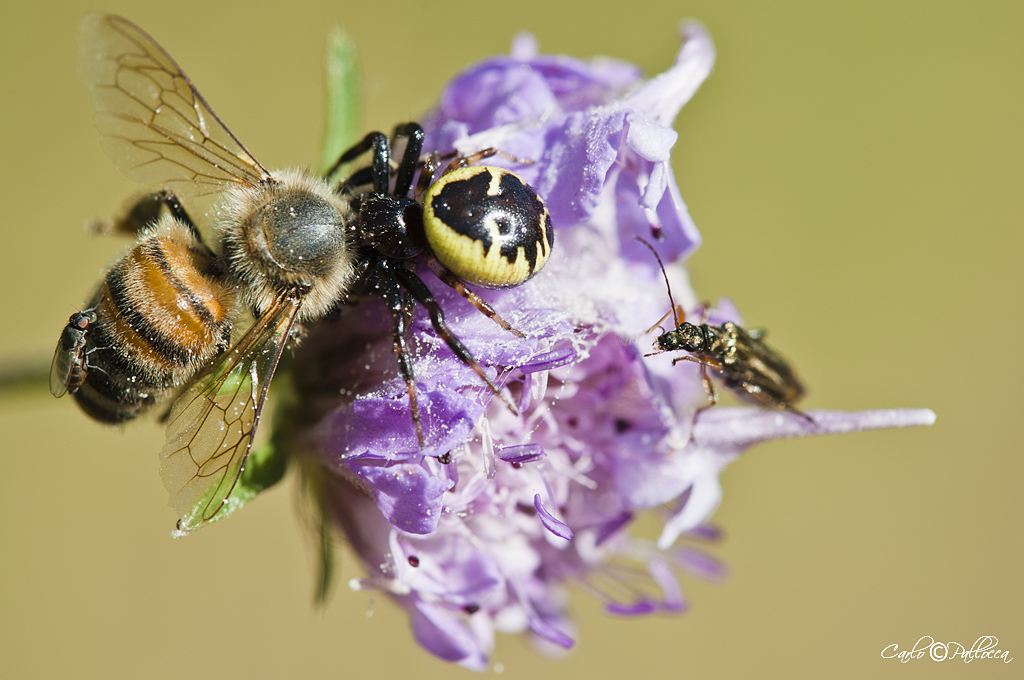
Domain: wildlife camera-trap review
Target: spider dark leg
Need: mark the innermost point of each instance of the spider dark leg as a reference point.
(381, 164)
(410, 307)
(371, 140)
(397, 305)
(361, 177)
(459, 287)
(410, 157)
(423, 295)
(463, 161)
(432, 161)
(428, 166)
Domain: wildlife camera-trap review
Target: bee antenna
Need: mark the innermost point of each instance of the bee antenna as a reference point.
(668, 287)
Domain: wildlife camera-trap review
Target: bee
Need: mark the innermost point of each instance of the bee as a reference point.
(162, 319)
(288, 247)
(755, 372)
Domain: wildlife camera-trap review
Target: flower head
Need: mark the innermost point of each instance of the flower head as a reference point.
(481, 529)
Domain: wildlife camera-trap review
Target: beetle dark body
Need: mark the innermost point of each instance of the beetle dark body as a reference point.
(749, 367)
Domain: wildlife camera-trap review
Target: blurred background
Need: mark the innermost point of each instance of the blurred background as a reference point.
(856, 170)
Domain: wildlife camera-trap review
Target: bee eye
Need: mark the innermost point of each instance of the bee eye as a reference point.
(303, 233)
(487, 226)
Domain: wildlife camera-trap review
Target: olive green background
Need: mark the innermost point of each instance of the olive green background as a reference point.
(856, 170)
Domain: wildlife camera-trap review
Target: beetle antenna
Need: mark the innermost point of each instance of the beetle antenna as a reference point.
(668, 287)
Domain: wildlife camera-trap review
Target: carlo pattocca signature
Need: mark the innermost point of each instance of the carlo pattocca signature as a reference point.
(985, 647)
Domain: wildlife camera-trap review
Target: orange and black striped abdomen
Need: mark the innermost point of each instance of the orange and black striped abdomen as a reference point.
(161, 315)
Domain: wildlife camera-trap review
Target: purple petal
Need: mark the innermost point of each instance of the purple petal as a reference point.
(581, 153)
(406, 494)
(452, 569)
(693, 508)
(670, 224)
(641, 608)
(648, 478)
(611, 527)
(672, 594)
(522, 453)
(661, 97)
(380, 425)
(706, 532)
(736, 428)
(550, 633)
(700, 564)
(504, 90)
(497, 92)
(446, 635)
(553, 525)
(548, 360)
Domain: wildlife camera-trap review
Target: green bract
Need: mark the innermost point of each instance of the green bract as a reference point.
(343, 94)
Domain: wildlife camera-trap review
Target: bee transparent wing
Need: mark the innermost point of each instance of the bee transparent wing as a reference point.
(211, 426)
(154, 123)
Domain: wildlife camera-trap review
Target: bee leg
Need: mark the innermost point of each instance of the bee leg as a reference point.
(399, 329)
(179, 213)
(423, 295)
(459, 287)
(145, 212)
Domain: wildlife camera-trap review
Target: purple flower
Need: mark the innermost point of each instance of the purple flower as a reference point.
(480, 531)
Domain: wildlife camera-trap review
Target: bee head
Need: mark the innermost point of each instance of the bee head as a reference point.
(287, 236)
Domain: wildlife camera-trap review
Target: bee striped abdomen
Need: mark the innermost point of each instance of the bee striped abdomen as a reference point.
(162, 314)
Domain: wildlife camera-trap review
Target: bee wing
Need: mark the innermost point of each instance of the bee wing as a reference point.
(211, 426)
(154, 123)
